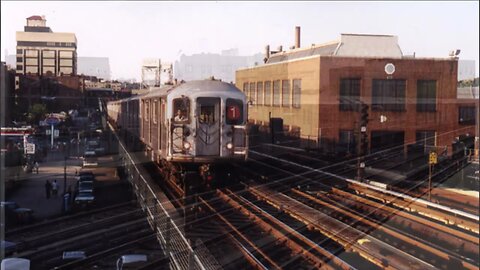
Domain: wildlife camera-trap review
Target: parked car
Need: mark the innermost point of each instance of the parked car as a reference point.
(89, 151)
(84, 199)
(84, 186)
(90, 161)
(131, 261)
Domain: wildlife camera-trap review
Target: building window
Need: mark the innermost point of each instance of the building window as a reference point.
(297, 90)
(268, 93)
(426, 96)
(388, 95)
(346, 142)
(276, 93)
(19, 51)
(19, 67)
(425, 137)
(466, 115)
(349, 94)
(259, 93)
(20, 59)
(285, 93)
(252, 94)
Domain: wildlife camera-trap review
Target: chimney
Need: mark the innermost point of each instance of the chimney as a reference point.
(280, 48)
(267, 53)
(297, 36)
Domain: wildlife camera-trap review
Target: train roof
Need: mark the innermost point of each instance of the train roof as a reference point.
(188, 88)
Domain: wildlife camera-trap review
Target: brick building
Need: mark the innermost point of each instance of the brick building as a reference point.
(318, 92)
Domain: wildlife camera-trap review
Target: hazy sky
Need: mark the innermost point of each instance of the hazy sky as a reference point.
(127, 32)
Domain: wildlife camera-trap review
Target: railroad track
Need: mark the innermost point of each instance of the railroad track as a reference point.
(264, 240)
(432, 248)
(96, 231)
(464, 238)
(38, 230)
(417, 188)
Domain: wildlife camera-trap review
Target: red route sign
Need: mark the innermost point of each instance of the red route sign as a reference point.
(233, 112)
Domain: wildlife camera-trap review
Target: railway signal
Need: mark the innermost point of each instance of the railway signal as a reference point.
(432, 160)
(363, 141)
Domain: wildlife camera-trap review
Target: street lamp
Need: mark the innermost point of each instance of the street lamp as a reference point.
(65, 169)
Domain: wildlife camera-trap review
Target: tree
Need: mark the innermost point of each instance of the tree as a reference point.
(36, 113)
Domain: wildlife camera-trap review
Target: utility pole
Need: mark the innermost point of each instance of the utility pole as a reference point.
(362, 142)
(65, 174)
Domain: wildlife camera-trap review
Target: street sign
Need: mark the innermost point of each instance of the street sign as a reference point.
(48, 132)
(56, 133)
(52, 120)
(433, 158)
(30, 148)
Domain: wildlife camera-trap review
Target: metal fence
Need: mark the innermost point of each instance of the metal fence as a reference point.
(170, 236)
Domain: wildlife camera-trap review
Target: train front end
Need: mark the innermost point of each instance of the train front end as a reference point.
(208, 123)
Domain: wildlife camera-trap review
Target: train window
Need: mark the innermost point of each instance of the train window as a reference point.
(207, 114)
(181, 108)
(147, 115)
(155, 111)
(234, 112)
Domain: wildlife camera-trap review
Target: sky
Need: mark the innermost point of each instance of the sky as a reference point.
(128, 31)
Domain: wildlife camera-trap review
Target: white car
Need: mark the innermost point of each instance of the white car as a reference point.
(90, 161)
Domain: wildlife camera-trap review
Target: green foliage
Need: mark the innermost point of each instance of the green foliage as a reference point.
(36, 113)
(466, 83)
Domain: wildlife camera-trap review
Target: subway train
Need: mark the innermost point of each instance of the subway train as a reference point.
(192, 130)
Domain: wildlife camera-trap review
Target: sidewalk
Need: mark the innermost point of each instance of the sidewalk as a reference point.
(31, 193)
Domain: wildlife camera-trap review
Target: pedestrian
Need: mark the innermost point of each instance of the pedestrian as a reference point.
(48, 188)
(36, 166)
(54, 188)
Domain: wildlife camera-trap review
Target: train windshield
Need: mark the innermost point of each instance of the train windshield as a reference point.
(234, 112)
(181, 109)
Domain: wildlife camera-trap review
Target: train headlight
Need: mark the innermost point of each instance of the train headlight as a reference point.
(229, 146)
(186, 145)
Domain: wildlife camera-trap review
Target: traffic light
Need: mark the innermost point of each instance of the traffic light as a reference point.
(364, 115)
(363, 129)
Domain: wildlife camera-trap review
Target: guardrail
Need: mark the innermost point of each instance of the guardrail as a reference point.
(171, 238)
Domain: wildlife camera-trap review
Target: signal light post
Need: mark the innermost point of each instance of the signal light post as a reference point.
(363, 141)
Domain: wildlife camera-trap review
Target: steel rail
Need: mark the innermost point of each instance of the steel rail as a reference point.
(289, 232)
(240, 234)
(414, 241)
(369, 248)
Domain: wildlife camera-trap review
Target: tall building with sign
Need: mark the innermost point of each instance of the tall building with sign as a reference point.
(40, 51)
